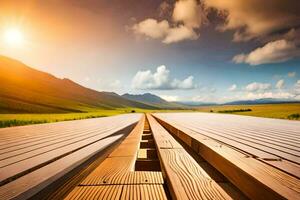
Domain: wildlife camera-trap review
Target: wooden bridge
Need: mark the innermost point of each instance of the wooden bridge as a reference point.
(158, 156)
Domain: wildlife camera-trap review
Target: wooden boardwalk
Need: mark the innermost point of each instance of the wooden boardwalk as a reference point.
(160, 156)
(247, 150)
(117, 177)
(32, 157)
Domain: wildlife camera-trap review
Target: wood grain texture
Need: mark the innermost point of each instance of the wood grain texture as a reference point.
(216, 126)
(260, 137)
(255, 178)
(114, 178)
(126, 178)
(28, 185)
(96, 192)
(186, 179)
(28, 169)
(143, 192)
(31, 158)
(116, 167)
(161, 137)
(117, 192)
(111, 171)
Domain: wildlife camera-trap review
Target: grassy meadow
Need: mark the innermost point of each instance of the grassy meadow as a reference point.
(8, 120)
(280, 111)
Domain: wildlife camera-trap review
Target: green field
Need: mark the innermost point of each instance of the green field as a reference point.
(8, 120)
(280, 111)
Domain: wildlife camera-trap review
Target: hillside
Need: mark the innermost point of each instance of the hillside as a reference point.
(153, 100)
(26, 90)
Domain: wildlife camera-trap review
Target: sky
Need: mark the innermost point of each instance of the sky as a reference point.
(184, 50)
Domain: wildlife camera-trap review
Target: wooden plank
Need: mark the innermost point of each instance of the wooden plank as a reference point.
(259, 148)
(134, 192)
(289, 167)
(62, 132)
(114, 178)
(111, 171)
(282, 150)
(99, 192)
(143, 192)
(249, 135)
(114, 169)
(23, 154)
(127, 177)
(241, 123)
(254, 178)
(259, 134)
(14, 167)
(60, 135)
(162, 139)
(248, 143)
(286, 166)
(185, 178)
(129, 147)
(30, 184)
(25, 165)
(26, 134)
(126, 150)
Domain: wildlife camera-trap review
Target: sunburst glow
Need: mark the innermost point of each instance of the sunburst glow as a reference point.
(13, 37)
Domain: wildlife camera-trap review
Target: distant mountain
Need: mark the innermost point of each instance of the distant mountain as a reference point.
(261, 101)
(26, 90)
(240, 102)
(196, 103)
(153, 100)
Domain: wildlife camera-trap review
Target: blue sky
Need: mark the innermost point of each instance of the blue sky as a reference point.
(211, 51)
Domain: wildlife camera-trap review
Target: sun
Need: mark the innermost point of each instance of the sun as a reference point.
(13, 37)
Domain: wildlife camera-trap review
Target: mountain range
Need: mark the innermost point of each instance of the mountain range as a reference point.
(261, 101)
(27, 90)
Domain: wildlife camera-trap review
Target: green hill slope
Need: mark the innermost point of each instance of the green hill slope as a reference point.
(26, 90)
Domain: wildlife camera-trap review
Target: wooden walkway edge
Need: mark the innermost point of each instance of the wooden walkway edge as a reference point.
(36, 179)
(253, 177)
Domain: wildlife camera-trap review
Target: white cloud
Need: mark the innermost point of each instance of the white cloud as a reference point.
(187, 16)
(272, 52)
(280, 84)
(262, 95)
(292, 74)
(152, 28)
(255, 86)
(254, 91)
(232, 88)
(160, 80)
(252, 18)
(184, 84)
(180, 33)
(169, 98)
